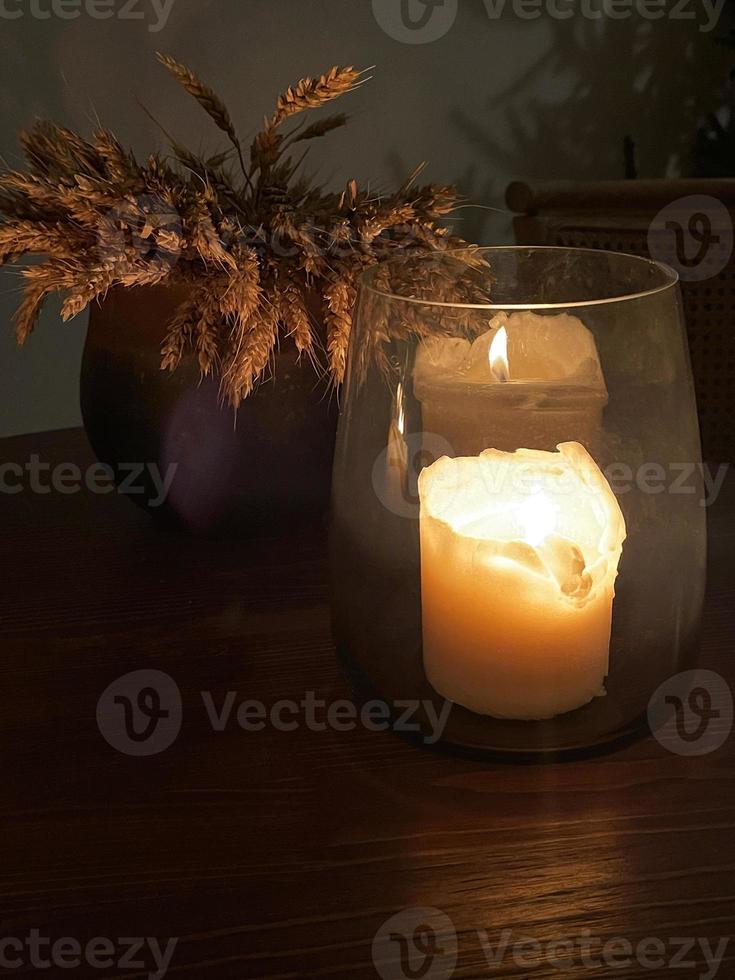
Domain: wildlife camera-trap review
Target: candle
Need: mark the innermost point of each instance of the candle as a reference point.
(519, 556)
(529, 380)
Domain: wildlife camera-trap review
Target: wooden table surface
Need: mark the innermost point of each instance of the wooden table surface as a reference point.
(280, 854)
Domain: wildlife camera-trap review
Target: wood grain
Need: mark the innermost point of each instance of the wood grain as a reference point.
(279, 854)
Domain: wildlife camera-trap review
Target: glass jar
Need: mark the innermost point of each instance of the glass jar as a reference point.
(518, 538)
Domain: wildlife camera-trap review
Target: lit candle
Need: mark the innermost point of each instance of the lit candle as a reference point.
(529, 380)
(519, 556)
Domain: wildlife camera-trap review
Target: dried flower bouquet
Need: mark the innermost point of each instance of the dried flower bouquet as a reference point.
(255, 242)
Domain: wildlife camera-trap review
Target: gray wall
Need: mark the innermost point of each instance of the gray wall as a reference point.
(491, 100)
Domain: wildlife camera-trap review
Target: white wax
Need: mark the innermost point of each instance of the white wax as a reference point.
(519, 556)
(550, 390)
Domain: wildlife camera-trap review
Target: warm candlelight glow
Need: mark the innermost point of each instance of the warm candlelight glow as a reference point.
(498, 355)
(519, 556)
(528, 380)
(538, 519)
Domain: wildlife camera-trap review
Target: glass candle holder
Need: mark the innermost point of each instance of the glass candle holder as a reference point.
(518, 539)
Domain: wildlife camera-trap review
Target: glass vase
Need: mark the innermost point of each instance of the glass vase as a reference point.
(518, 532)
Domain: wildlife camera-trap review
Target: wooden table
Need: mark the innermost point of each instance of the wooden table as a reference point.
(278, 853)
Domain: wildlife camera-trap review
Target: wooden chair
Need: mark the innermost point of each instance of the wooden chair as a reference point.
(618, 216)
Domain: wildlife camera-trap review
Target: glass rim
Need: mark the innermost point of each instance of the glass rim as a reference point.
(670, 274)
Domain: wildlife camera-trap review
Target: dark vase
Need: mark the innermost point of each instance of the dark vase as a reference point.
(182, 454)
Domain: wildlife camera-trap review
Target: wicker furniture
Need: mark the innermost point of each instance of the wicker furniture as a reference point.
(617, 216)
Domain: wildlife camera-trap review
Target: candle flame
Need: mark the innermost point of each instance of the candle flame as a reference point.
(498, 355)
(538, 518)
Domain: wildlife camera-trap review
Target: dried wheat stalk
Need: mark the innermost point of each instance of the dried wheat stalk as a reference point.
(259, 249)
